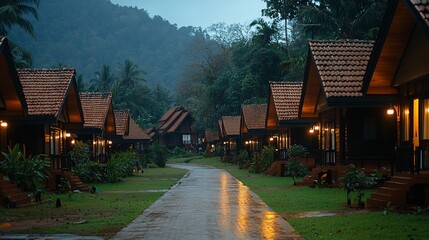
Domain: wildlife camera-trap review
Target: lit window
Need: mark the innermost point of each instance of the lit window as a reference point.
(186, 138)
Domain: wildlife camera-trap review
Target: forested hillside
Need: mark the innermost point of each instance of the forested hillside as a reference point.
(88, 34)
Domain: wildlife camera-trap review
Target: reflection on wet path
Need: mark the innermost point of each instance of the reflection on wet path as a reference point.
(209, 204)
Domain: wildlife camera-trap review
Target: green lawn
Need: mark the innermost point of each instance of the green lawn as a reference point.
(280, 194)
(101, 214)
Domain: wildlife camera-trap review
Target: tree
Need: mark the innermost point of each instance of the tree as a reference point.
(103, 80)
(283, 10)
(13, 12)
(130, 75)
(344, 19)
(265, 33)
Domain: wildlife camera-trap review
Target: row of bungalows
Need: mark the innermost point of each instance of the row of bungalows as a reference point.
(43, 111)
(361, 102)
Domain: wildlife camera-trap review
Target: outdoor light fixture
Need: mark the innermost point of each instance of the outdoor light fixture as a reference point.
(73, 141)
(68, 135)
(271, 139)
(311, 130)
(316, 127)
(109, 142)
(390, 111)
(3, 124)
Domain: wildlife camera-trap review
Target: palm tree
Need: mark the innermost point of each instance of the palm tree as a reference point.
(103, 80)
(130, 74)
(14, 12)
(342, 18)
(265, 33)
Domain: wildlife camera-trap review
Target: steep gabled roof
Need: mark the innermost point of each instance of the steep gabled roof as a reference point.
(12, 100)
(254, 116)
(286, 98)
(211, 137)
(341, 65)
(231, 125)
(45, 90)
(135, 132)
(122, 122)
(98, 110)
(172, 119)
(404, 23)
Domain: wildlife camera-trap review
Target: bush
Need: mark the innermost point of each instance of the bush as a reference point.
(296, 152)
(121, 165)
(295, 168)
(242, 158)
(158, 154)
(27, 172)
(355, 180)
(262, 161)
(86, 170)
(90, 171)
(179, 152)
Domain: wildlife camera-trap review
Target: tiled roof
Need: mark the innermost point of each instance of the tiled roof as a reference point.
(422, 7)
(95, 107)
(45, 89)
(287, 96)
(211, 137)
(254, 115)
(231, 125)
(135, 132)
(122, 121)
(172, 119)
(341, 65)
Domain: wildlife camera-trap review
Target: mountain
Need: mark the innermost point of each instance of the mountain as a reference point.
(85, 34)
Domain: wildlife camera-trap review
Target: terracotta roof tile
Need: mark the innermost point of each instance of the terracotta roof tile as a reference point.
(45, 89)
(211, 137)
(287, 97)
(172, 119)
(95, 107)
(121, 121)
(254, 115)
(135, 132)
(231, 125)
(341, 65)
(422, 7)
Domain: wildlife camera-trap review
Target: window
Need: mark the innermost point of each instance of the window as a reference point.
(405, 122)
(425, 119)
(55, 142)
(186, 138)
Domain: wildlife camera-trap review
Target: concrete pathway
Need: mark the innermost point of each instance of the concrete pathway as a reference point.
(208, 204)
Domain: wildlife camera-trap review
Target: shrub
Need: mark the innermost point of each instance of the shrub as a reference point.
(86, 170)
(158, 154)
(267, 158)
(179, 152)
(242, 158)
(27, 172)
(296, 152)
(295, 168)
(121, 165)
(354, 180)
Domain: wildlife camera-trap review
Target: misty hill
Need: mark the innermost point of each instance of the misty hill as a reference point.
(85, 34)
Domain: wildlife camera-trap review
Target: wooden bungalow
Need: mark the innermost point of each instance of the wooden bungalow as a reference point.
(399, 67)
(54, 113)
(175, 129)
(211, 139)
(252, 127)
(129, 136)
(122, 124)
(282, 119)
(352, 128)
(99, 124)
(12, 108)
(229, 134)
(137, 139)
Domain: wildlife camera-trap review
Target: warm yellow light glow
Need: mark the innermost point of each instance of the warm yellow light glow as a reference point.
(68, 135)
(247, 142)
(316, 127)
(213, 146)
(94, 142)
(73, 141)
(390, 111)
(271, 139)
(311, 130)
(3, 124)
(109, 142)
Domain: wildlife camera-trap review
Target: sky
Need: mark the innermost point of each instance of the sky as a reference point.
(200, 13)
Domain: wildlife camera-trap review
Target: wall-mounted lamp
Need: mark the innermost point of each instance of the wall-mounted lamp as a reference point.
(271, 139)
(311, 130)
(73, 141)
(109, 142)
(68, 135)
(3, 124)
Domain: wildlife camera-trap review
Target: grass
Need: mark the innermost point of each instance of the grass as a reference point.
(101, 214)
(280, 194)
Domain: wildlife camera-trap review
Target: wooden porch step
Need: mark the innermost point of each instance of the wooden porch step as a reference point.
(394, 184)
(382, 196)
(376, 203)
(388, 190)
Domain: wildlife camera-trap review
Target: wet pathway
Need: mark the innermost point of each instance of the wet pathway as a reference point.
(208, 204)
